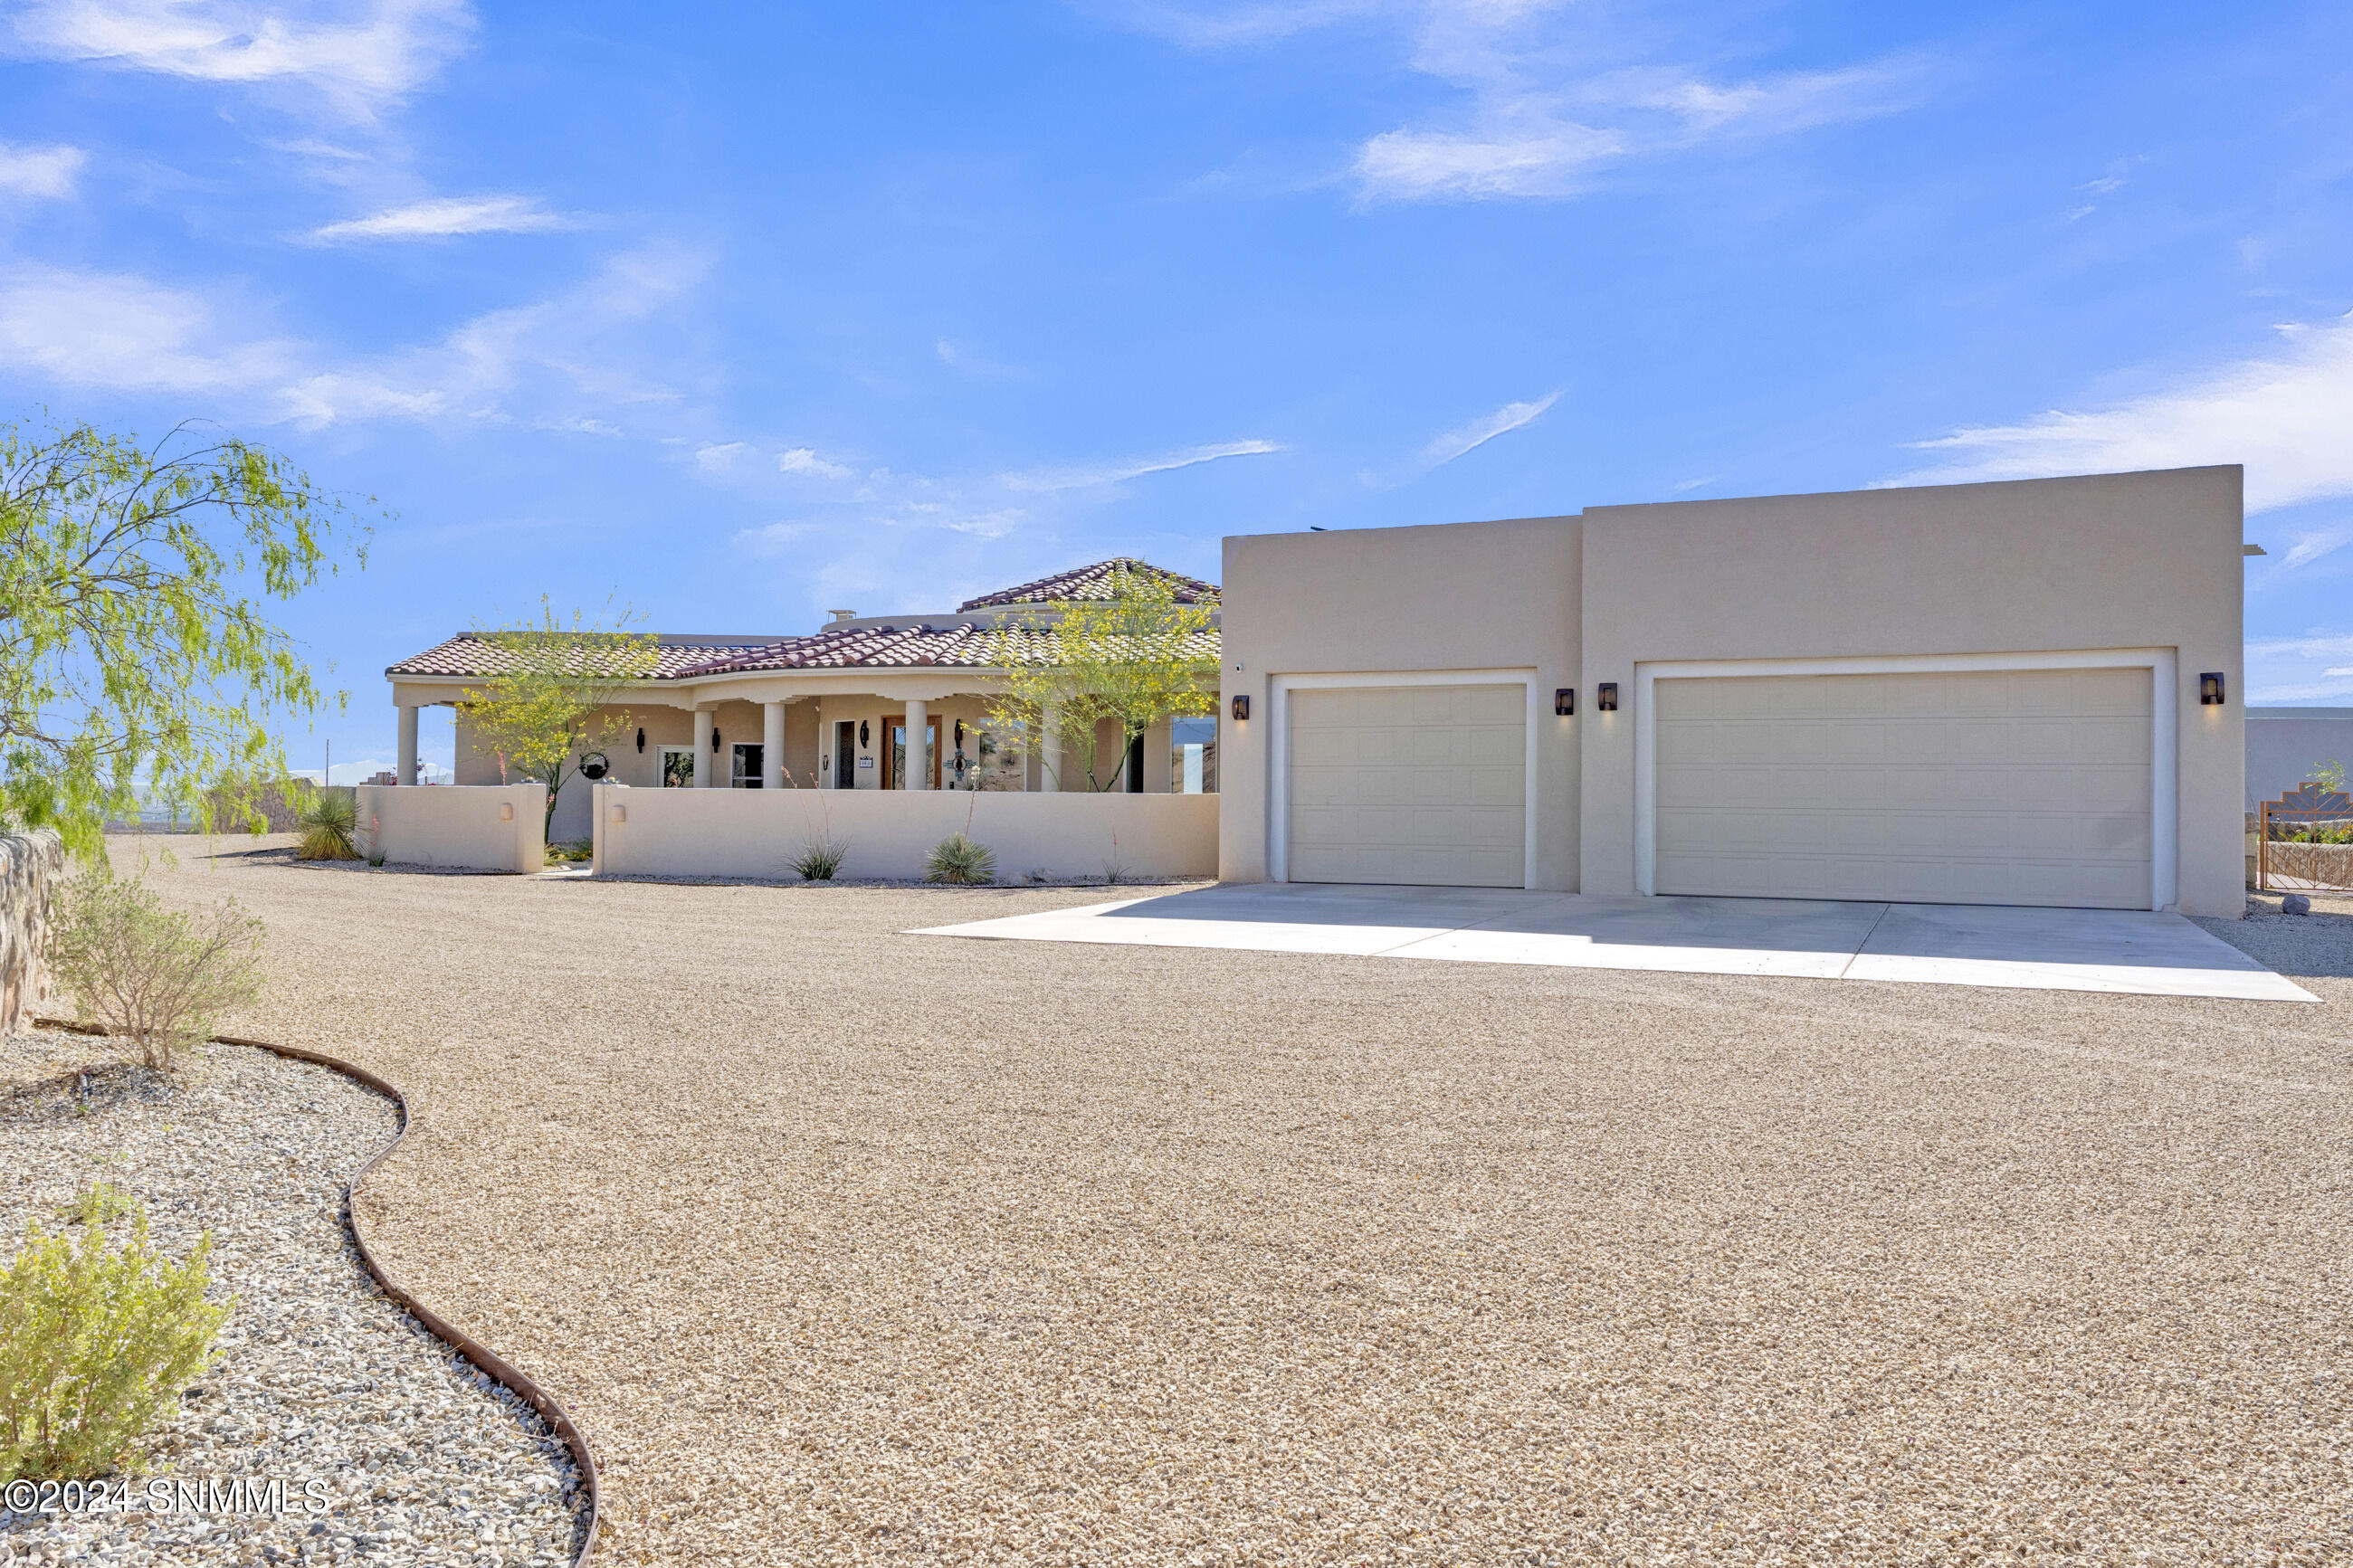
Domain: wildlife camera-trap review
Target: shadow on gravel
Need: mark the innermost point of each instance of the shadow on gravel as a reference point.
(70, 1095)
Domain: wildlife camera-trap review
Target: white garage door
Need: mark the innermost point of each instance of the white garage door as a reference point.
(1409, 783)
(2006, 787)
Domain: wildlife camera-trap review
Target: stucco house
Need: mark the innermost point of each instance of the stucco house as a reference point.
(834, 709)
(2012, 693)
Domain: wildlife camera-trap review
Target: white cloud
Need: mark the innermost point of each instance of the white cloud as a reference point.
(113, 329)
(2311, 547)
(719, 456)
(1094, 476)
(2300, 668)
(2286, 416)
(446, 216)
(805, 461)
(358, 57)
(551, 362)
(1479, 431)
(37, 173)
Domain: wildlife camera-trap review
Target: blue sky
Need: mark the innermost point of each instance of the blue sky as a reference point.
(740, 314)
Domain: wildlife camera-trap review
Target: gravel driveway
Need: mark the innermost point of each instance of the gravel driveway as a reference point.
(852, 1247)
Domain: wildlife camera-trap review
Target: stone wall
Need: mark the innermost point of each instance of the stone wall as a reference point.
(30, 867)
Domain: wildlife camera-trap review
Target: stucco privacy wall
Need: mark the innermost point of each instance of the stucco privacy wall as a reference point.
(478, 827)
(30, 867)
(753, 832)
(2287, 746)
(1456, 596)
(2112, 562)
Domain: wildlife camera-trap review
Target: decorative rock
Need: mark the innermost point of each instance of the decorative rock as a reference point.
(318, 1374)
(2295, 904)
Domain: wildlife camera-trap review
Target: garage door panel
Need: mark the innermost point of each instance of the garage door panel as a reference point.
(1408, 785)
(2018, 786)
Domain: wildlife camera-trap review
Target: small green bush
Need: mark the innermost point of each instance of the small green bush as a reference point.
(957, 858)
(154, 977)
(330, 822)
(819, 859)
(101, 1203)
(96, 1342)
(572, 853)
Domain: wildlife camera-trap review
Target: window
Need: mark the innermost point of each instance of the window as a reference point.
(678, 767)
(748, 771)
(845, 753)
(1193, 755)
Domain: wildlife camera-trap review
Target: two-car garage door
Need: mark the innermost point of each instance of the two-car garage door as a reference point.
(1994, 787)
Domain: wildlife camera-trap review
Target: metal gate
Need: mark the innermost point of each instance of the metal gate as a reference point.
(2304, 841)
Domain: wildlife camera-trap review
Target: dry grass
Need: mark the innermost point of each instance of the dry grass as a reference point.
(856, 1246)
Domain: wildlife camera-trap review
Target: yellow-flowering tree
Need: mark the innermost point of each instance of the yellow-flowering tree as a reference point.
(556, 693)
(1133, 659)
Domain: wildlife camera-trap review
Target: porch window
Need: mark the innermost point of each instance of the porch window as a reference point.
(1193, 754)
(678, 767)
(747, 767)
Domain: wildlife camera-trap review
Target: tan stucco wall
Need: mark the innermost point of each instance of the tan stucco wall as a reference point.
(459, 828)
(2118, 561)
(749, 833)
(1471, 595)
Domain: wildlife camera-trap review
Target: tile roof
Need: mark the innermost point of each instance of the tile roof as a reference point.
(1094, 583)
(469, 655)
(962, 645)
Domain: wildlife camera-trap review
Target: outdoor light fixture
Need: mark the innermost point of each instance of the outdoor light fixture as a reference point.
(1564, 701)
(714, 740)
(863, 739)
(2210, 689)
(1605, 699)
(641, 739)
(1241, 708)
(959, 736)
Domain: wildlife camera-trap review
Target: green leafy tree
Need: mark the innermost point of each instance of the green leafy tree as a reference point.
(135, 643)
(556, 694)
(1134, 659)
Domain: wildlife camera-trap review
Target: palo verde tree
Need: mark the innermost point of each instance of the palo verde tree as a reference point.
(135, 645)
(1133, 659)
(555, 694)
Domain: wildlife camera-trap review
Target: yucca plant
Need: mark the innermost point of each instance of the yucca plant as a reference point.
(330, 823)
(96, 1342)
(957, 858)
(821, 858)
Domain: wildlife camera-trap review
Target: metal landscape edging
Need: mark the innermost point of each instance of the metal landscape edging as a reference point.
(492, 1365)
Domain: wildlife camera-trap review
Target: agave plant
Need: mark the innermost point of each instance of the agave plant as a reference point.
(957, 858)
(330, 822)
(819, 859)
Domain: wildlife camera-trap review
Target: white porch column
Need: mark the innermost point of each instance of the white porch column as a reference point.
(919, 766)
(408, 773)
(706, 763)
(1049, 749)
(771, 745)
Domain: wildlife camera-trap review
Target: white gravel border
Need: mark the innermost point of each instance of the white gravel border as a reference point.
(393, 1448)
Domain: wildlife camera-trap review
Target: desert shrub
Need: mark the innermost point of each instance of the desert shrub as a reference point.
(957, 858)
(96, 1341)
(821, 858)
(101, 1203)
(154, 977)
(330, 823)
(572, 853)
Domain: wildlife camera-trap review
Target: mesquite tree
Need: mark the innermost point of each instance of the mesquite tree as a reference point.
(554, 695)
(135, 649)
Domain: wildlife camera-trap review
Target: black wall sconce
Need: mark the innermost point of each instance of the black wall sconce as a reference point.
(714, 740)
(959, 734)
(864, 738)
(1241, 708)
(641, 739)
(1605, 698)
(2210, 689)
(1564, 701)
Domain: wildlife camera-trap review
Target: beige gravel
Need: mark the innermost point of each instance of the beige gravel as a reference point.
(856, 1246)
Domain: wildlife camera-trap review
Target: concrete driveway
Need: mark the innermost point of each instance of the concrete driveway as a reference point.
(2125, 950)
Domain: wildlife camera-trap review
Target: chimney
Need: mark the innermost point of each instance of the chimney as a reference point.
(841, 616)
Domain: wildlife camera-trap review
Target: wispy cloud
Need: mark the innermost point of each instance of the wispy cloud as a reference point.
(445, 217)
(1553, 92)
(805, 461)
(357, 59)
(2307, 668)
(39, 172)
(1094, 476)
(1479, 431)
(2312, 547)
(2285, 415)
(555, 362)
